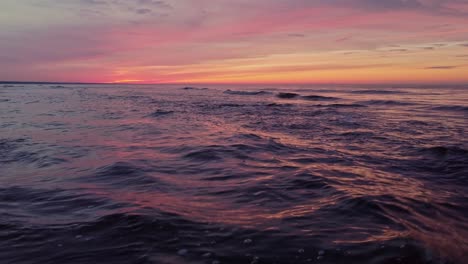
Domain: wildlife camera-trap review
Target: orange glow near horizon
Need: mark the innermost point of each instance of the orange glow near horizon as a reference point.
(128, 81)
(354, 67)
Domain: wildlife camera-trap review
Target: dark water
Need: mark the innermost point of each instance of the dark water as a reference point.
(161, 174)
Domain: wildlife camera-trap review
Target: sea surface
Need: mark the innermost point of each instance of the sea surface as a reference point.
(233, 174)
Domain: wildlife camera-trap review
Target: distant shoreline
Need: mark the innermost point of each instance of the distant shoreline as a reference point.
(19, 82)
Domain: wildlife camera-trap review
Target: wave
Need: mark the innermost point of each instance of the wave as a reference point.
(112, 115)
(14, 151)
(194, 88)
(278, 105)
(253, 144)
(344, 105)
(318, 98)
(306, 90)
(377, 92)
(123, 175)
(358, 134)
(308, 181)
(206, 154)
(64, 205)
(443, 164)
(160, 113)
(132, 236)
(231, 105)
(418, 123)
(457, 108)
(246, 92)
(384, 102)
(168, 238)
(287, 95)
(446, 151)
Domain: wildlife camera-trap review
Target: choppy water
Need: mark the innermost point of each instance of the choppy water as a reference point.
(163, 174)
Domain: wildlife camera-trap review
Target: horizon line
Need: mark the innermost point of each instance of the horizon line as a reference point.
(234, 83)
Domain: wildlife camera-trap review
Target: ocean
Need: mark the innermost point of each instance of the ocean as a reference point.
(233, 174)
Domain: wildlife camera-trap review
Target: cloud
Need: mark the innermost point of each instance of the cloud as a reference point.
(143, 11)
(343, 39)
(94, 2)
(398, 50)
(441, 67)
(297, 35)
(126, 3)
(386, 4)
(154, 3)
(112, 8)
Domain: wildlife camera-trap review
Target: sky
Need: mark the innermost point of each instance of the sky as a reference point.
(234, 41)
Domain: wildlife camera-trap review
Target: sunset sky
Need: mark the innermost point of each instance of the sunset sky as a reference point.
(235, 41)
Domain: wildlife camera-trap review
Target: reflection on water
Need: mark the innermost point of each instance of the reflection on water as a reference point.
(165, 174)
